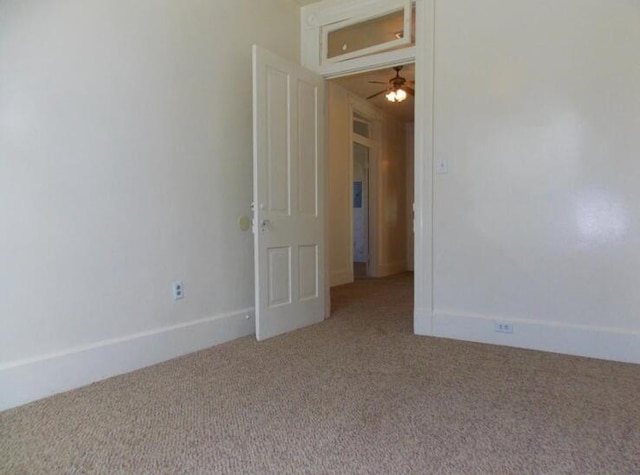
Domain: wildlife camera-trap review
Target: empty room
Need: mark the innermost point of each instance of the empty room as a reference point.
(220, 255)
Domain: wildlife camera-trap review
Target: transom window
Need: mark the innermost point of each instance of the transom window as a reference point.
(357, 37)
(346, 37)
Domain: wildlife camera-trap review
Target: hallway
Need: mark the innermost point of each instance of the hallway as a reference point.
(388, 300)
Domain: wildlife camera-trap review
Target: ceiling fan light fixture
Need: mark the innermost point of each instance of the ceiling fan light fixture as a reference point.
(397, 95)
(398, 88)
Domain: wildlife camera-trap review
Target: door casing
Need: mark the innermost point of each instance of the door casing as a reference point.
(422, 54)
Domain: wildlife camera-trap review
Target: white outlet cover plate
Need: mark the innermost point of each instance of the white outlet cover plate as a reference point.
(178, 290)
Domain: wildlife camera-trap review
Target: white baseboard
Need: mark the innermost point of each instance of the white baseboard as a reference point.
(422, 320)
(580, 340)
(391, 268)
(341, 277)
(28, 380)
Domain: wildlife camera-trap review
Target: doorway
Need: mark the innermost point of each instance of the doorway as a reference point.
(315, 18)
(370, 205)
(360, 209)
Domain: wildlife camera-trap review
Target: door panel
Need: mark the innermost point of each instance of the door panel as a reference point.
(278, 140)
(288, 169)
(307, 147)
(279, 276)
(307, 271)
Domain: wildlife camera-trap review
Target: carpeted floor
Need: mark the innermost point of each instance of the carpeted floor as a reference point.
(356, 394)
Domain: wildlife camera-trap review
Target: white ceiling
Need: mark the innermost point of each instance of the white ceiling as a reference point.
(360, 86)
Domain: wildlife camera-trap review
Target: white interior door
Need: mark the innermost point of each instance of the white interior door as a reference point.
(288, 191)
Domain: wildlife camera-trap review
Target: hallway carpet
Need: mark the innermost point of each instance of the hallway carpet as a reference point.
(355, 394)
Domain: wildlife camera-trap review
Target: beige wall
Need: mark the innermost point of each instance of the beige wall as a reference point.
(410, 147)
(392, 196)
(391, 200)
(338, 177)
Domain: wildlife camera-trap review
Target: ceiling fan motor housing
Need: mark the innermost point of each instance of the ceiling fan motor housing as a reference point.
(398, 81)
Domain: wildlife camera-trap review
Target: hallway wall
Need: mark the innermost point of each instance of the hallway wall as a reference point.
(391, 183)
(339, 242)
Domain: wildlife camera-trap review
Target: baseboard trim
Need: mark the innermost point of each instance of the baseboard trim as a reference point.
(35, 378)
(579, 340)
(342, 277)
(422, 320)
(391, 268)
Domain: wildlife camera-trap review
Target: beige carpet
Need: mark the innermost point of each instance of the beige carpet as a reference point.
(356, 394)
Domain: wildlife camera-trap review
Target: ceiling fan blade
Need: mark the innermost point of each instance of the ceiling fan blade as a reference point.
(378, 82)
(377, 94)
(410, 90)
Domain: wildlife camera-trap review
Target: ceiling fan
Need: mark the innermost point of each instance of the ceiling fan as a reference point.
(397, 87)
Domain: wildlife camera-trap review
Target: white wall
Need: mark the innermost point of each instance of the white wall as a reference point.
(125, 160)
(537, 112)
(390, 182)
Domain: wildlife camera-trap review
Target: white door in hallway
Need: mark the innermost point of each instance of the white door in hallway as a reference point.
(360, 203)
(288, 191)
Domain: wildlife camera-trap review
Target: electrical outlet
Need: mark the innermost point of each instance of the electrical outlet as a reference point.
(503, 327)
(178, 290)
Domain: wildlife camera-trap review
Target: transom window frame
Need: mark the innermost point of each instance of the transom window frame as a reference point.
(389, 7)
(318, 19)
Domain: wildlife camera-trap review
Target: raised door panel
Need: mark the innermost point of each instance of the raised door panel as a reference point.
(278, 142)
(307, 148)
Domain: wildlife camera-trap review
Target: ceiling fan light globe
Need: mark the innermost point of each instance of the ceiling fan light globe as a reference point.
(391, 96)
(401, 95)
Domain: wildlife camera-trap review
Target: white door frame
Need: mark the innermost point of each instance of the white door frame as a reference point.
(422, 54)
